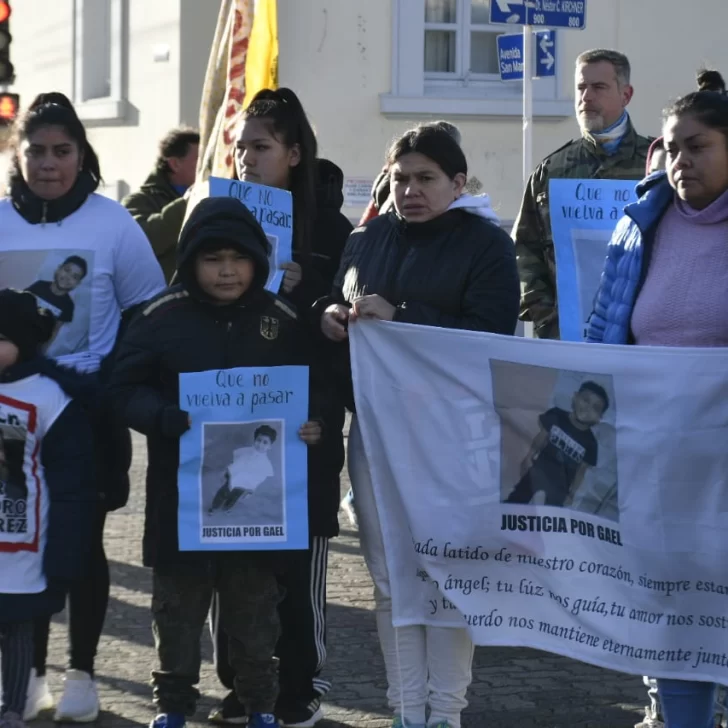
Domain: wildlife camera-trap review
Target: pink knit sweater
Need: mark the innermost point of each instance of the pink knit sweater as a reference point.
(684, 300)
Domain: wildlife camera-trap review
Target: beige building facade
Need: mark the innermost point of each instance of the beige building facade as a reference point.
(365, 70)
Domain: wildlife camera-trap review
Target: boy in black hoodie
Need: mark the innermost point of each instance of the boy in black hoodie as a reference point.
(218, 317)
(48, 495)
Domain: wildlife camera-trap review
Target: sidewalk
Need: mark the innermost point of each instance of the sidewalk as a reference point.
(512, 687)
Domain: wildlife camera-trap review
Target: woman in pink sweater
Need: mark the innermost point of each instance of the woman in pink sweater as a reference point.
(665, 282)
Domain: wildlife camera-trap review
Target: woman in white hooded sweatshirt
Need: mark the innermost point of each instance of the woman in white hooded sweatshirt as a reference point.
(438, 258)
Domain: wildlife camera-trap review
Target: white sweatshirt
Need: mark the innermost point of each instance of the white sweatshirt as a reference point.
(112, 267)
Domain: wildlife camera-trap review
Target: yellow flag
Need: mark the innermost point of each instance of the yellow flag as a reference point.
(261, 65)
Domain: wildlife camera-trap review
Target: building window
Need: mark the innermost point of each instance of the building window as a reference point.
(445, 61)
(459, 40)
(99, 59)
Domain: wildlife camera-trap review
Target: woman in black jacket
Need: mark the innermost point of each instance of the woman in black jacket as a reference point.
(276, 146)
(437, 259)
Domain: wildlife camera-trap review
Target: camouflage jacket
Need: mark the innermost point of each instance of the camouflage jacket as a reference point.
(579, 159)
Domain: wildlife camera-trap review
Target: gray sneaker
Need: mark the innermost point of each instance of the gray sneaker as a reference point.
(11, 720)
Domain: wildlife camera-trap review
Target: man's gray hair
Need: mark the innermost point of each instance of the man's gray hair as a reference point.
(622, 69)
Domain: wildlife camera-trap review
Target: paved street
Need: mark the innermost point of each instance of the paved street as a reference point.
(512, 687)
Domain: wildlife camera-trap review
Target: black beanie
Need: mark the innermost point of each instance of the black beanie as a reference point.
(23, 322)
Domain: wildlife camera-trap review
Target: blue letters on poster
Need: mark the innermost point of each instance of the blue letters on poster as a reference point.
(273, 209)
(584, 213)
(243, 468)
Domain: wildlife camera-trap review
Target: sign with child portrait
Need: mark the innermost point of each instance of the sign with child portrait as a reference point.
(272, 208)
(242, 476)
(584, 213)
(566, 497)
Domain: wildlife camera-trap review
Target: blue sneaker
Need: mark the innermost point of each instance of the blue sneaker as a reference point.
(263, 720)
(168, 720)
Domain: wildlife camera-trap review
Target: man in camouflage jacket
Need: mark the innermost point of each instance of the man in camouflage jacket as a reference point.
(609, 148)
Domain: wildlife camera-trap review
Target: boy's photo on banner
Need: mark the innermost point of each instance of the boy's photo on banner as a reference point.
(243, 467)
(584, 213)
(558, 438)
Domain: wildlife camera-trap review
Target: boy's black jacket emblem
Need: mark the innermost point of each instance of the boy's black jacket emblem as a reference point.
(269, 327)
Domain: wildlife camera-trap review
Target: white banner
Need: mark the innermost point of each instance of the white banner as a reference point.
(469, 437)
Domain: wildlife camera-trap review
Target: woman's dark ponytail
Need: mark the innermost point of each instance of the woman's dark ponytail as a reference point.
(283, 111)
(709, 104)
(55, 109)
(711, 81)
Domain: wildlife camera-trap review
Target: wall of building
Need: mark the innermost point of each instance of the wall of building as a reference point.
(166, 50)
(338, 56)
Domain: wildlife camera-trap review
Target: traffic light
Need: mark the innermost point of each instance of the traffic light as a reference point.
(9, 106)
(7, 72)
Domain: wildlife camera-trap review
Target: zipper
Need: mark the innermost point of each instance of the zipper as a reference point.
(44, 216)
(403, 249)
(228, 332)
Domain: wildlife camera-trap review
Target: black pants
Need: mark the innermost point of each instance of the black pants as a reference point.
(555, 492)
(248, 606)
(301, 648)
(16, 647)
(87, 603)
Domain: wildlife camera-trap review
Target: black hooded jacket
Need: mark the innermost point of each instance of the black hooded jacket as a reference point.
(330, 231)
(181, 331)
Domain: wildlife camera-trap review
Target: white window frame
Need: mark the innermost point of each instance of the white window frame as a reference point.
(463, 29)
(112, 108)
(417, 93)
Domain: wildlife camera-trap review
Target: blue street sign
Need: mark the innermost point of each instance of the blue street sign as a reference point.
(551, 13)
(545, 53)
(510, 55)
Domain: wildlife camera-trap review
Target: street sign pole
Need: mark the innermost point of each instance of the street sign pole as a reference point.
(527, 103)
(541, 14)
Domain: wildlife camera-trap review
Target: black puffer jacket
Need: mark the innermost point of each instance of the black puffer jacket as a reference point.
(180, 331)
(329, 234)
(457, 271)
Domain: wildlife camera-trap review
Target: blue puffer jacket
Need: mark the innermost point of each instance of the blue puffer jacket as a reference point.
(628, 257)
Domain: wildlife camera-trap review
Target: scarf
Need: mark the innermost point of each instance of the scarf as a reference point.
(36, 210)
(610, 138)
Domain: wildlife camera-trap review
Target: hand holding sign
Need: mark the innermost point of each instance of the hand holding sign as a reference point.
(311, 432)
(292, 276)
